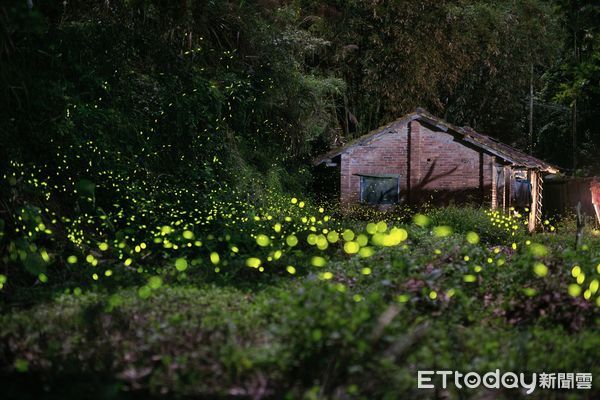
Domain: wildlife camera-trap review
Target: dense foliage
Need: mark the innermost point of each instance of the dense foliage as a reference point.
(158, 234)
(355, 321)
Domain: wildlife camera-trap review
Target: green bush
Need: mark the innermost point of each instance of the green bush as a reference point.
(295, 339)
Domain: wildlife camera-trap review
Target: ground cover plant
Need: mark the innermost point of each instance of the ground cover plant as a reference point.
(163, 233)
(281, 297)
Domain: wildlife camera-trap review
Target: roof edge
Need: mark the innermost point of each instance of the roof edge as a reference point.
(367, 137)
(468, 134)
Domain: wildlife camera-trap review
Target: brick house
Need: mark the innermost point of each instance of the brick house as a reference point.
(421, 158)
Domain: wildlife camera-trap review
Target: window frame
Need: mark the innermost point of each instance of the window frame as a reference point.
(363, 177)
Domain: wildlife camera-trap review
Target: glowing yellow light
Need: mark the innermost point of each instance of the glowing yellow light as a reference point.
(472, 237)
(402, 298)
(155, 282)
(538, 250)
(594, 286)
(574, 290)
(540, 269)
(362, 240)
(351, 247)
(181, 264)
(398, 235)
(263, 240)
(322, 242)
(318, 261)
(421, 220)
(326, 275)
(442, 231)
(253, 262)
(348, 235)
(333, 237)
(291, 240)
(365, 252)
(371, 228)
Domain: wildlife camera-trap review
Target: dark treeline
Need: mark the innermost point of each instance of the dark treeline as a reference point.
(158, 234)
(201, 88)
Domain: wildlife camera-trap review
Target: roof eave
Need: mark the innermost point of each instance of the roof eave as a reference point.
(363, 139)
(542, 166)
(422, 115)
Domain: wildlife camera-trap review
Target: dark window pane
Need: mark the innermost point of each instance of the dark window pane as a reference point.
(376, 190)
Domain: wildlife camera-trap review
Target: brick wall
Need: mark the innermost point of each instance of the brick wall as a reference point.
(433, 166)
(386, 154)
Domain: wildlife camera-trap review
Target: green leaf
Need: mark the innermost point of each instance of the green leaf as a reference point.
(35, 264)
(86, 187)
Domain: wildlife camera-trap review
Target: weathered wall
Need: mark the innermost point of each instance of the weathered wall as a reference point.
(386, 154)
(432, 164)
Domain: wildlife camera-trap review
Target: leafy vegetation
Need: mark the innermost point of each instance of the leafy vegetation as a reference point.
(159, 235)
(330, 312)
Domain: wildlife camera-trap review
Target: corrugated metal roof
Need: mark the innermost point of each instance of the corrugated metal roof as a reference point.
(508, 153)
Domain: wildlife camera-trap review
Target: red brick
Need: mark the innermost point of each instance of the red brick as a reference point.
(429, 162)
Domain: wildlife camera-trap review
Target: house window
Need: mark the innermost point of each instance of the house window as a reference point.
(381, 189)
